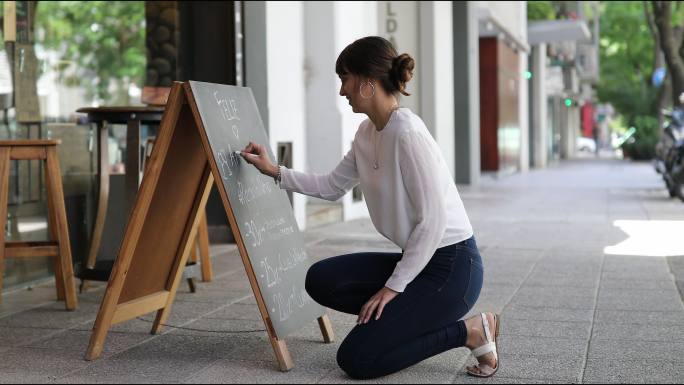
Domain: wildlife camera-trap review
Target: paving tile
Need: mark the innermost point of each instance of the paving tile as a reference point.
(78, 341)
(50, 317)
(558, 279)
(638, 332)
(534, 314)
(540, 368)
(631, 284)
(629, 350)
(25, 378)
(542, 298)
(163, 370)
(216, 326)
(645, 371)
(640, 317)
(572, 330)
(258, 372)
(638, 275)
(16, 336)
(639, 300)
(49, 362)
(629, 264)
(463, 378)
(542, 346)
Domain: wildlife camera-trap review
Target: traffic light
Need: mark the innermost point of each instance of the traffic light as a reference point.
(568, 102)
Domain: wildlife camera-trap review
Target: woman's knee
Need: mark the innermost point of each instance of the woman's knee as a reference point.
(349, 362)
(315, 283)
(354, 361)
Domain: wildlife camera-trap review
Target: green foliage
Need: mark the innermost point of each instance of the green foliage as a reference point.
(540, 10)
(645, 138)
(105, 40)
(627, 51)
(627, 56)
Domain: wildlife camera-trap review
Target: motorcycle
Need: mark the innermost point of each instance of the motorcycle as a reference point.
(670, 153)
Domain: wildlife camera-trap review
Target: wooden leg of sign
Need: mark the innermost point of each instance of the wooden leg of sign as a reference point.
(187, 240)
(102, 324)
(326, 329)
(203, 240)
(4, 200)
(285, 362)
(193, 253)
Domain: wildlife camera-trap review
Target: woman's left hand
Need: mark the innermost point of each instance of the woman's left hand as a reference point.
(378, 301)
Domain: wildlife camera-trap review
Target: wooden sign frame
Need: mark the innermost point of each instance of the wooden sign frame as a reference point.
(138, 285)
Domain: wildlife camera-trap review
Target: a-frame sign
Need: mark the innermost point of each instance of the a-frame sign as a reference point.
(203, 125)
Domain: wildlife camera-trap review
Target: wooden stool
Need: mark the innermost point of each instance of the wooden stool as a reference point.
(58, 247)
(201, 241)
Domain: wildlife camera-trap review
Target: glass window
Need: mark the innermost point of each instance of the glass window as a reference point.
(66, 55)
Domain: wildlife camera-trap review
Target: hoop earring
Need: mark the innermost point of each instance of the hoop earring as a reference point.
(361, 90)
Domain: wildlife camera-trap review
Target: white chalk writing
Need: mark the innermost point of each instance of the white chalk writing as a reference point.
(288, 303)
(292, 260)
(227, 106)
(255, 233)
(248, 194)
(227, 160)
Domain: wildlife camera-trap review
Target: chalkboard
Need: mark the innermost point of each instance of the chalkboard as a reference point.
(262, 210)
(202, 127)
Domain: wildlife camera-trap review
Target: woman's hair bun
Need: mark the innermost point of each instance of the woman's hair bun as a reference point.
(402, 72)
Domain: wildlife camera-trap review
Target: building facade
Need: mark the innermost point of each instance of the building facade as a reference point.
(471, 87)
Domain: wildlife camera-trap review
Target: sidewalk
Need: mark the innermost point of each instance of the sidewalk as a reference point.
(571, 312)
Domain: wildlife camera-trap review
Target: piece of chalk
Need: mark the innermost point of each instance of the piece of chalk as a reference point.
(244, 153)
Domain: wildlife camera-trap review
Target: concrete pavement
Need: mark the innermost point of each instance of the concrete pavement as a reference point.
(578, 260)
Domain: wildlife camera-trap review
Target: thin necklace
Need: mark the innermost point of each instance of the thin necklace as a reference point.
(376, 143)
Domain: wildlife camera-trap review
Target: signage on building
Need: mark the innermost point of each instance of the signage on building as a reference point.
(398, 23)
(554, 80)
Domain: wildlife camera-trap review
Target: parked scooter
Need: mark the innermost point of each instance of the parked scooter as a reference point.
(670, 152)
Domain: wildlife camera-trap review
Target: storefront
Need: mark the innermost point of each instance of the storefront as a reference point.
(60, 56)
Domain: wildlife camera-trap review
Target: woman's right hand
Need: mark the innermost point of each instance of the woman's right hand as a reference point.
(256, 154)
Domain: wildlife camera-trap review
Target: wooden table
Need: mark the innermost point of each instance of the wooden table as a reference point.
(134, 118)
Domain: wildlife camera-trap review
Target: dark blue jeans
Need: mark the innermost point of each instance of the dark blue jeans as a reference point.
(421, 322)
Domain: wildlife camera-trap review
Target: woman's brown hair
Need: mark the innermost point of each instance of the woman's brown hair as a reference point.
(374, 57)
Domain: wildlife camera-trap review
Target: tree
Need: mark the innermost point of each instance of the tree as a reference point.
(540, 10)
(105, 41)
(627, 61)
(669, 23)
(627, 52)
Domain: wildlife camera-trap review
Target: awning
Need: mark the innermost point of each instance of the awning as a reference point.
(551, 31)
(490, 25)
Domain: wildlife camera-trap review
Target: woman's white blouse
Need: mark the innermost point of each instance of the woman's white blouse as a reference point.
(411, 196)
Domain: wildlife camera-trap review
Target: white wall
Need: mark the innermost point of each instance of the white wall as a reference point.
(523, 93)
(330, 123)
(353, 20)
(286, 93)
(323, 119)
(436, 70)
